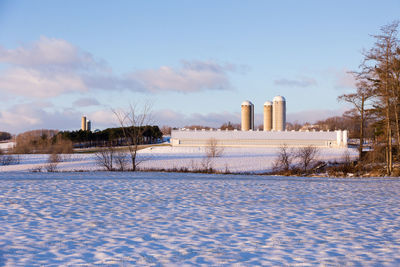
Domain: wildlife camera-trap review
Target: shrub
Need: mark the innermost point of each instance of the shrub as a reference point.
(283, 162)
(53, 161)
(306, 157)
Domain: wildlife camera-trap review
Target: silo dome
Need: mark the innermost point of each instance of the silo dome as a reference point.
(279, 113)
(279, 98)
(247, 103)
(247, 116)
(268, 103)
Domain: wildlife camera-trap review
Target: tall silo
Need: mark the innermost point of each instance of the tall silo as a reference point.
(279, 113)
(247, 116)
(88, 125)
(268, 116)
(83, 124)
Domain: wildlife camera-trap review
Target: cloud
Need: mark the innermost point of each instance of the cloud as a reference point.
(191, 77)
(51, 67)
(85, 102)
(301, 82)
(49, 52)
(34, 115)
(39, 84)
(43, 115)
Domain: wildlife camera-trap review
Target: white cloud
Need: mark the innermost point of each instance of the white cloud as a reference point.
(51, 67)
(301, 82)
(103, 118)
(48, 52)
(35, 115)
(39, 84)
(191, 77)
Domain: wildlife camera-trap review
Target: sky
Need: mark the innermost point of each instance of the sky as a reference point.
(195, 62)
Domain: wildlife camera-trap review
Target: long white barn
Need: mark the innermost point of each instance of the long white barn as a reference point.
(185, 137)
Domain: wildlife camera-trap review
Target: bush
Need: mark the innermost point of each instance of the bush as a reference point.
(306, 157)
(53, 161)
(283, 162)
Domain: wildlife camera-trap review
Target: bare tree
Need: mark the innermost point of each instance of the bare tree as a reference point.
(359, 101)
(212, 148)
(306, 156)
(132, 122)
(284, 160)
(121, 160)
(105, 158)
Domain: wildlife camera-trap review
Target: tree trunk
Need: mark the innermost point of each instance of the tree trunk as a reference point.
(360, 149)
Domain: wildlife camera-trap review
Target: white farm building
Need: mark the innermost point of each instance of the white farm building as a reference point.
(186, 137)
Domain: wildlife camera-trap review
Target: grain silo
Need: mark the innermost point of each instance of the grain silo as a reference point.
(247, 116)
(88, 125)
(268, 116)
(83, 124)
(279, 113)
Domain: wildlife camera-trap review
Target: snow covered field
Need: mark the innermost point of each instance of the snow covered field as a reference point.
(125, 219)
(166, 157)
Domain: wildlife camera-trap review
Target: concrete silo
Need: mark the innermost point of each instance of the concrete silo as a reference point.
(247, 116)
(88, 125)
(83, 124)
(268, 116)
(279, 113)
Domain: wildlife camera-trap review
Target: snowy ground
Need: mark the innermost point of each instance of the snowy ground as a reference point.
(123, 219)
(166, 157)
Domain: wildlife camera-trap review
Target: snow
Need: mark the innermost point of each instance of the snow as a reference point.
(126, 219)
(255, 160)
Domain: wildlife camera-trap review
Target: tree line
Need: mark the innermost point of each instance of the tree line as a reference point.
(113, 136)
(376, 100)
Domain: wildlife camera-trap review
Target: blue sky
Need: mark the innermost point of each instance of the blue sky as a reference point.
(196, 61)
